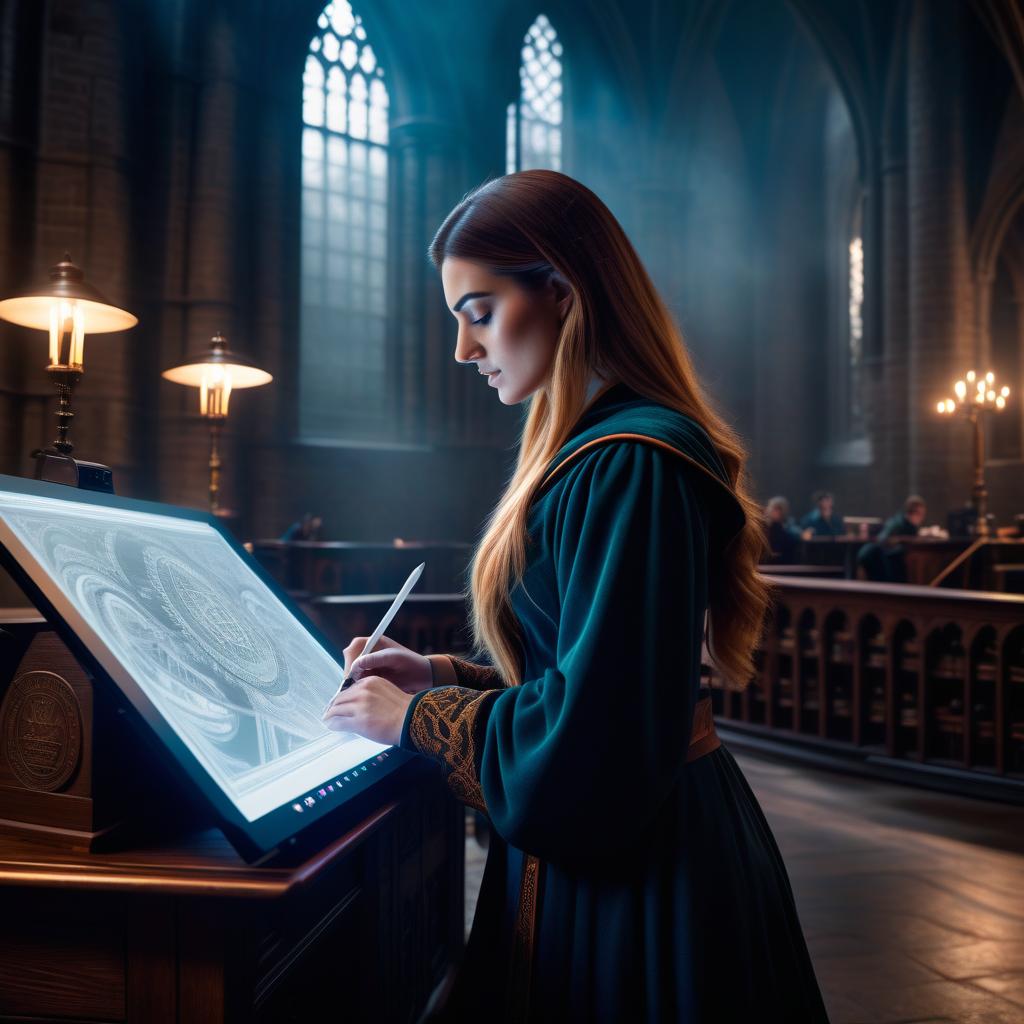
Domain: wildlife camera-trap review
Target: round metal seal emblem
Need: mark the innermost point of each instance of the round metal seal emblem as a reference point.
(42, 730)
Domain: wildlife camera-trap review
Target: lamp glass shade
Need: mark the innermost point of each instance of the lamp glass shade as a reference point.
(241, 375)
(217, 371)
(66, 287)
(34, 311)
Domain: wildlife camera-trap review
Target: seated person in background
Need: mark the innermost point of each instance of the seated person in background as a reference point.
(306, 528)
(822, 521)
(886, 562)
(783, 534)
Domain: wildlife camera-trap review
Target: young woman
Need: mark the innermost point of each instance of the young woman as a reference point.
(631, 874)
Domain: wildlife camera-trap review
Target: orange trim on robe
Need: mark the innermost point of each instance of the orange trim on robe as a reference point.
(644, 439)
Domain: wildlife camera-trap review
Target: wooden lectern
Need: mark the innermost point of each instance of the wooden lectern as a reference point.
(120, 902)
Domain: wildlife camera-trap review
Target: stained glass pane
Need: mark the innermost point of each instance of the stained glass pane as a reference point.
(312, 204)
(336, 100)
(535, 122)
(344, 232)
(510, 139)
(331, 46)
(856, 326)
(342, 20)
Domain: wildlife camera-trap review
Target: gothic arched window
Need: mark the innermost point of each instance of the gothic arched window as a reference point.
(855, 325)
(343, 366)
(846, 271)
(533, 132)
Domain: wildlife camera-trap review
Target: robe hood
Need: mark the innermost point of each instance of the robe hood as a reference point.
(619, 414)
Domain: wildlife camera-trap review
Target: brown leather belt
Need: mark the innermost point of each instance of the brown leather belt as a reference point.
(703, 739)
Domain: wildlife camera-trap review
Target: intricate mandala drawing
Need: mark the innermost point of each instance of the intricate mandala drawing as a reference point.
(238, 645)
(234, 673)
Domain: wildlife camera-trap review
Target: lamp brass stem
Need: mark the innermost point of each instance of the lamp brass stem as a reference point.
(979, 495)
(65, 377)
(216, 425)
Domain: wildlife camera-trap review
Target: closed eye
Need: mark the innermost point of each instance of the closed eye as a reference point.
(485, 319)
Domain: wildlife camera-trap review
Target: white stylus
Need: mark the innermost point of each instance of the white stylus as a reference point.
(383, 624)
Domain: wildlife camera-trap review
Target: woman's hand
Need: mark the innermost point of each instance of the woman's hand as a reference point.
(372, 707)
(408, 670)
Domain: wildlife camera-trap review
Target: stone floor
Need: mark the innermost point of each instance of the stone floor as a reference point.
(912, 902)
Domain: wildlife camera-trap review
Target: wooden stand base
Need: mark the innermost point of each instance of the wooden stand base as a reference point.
(115, 914)
(187, 933)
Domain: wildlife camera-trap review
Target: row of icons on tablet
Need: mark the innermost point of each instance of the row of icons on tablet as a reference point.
(325, 791)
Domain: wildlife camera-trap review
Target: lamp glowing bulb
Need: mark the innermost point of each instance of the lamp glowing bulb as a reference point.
(67, 334)
(214, 391)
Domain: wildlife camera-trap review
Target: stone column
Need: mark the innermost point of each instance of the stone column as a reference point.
(83, 205)
(206, 188)
(888, 396)
(268, 417)
(428, 177)
(941, 321)
(21, 34)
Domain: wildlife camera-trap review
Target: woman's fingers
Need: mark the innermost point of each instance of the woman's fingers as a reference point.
(374, 663)
(341, 709)
(358, 645)
(359, 642)
(373, 707)
(343, 698)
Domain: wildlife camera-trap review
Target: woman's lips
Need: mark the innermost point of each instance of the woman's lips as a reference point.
(491, 376)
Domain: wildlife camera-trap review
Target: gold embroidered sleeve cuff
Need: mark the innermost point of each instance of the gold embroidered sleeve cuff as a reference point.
(447, 724)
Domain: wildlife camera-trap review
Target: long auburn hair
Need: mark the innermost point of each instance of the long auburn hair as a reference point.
(527, 225)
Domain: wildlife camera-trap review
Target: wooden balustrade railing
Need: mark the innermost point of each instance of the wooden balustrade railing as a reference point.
(918, 675)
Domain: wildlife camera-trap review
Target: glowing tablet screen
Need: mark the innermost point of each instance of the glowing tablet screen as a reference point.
(167, 605)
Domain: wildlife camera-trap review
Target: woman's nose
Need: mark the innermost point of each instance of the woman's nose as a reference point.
(466, 349)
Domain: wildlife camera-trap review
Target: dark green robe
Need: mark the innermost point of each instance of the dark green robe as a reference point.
(660, 893)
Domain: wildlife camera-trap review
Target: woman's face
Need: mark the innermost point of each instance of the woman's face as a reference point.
(508, 331)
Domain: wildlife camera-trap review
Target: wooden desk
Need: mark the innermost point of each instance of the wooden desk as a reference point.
(180, 929)
(927, 557)
(841, 551)
(187, 932)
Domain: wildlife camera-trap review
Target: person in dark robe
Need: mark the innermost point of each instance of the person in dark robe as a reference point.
(631, 874)
(782, 533)
(885, 559)
(306, 528)
(822, 520)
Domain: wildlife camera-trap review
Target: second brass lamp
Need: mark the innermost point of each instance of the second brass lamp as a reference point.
(217, 371)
